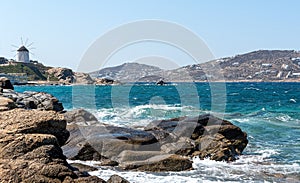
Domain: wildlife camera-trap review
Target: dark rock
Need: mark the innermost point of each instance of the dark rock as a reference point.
(204, 136)
(117, 179)
(80, 117)
(104, 81)
(90, 179)
(83, 168)
(161, 82)
(105, 141)
(34, 100)
(163, 146)
(5, 83)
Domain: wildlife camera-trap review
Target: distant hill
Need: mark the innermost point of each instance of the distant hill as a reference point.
(129, 72)
(262, 65)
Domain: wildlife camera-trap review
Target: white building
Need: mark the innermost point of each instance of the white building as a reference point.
(23, 55)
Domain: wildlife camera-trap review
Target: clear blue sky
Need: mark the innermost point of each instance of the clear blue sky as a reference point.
(63, 30)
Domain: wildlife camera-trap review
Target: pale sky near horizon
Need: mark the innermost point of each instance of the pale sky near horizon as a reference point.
(62, 31)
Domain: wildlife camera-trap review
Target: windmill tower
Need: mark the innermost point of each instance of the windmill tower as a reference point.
(23, 55)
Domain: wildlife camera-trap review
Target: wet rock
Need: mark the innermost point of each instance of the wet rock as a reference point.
(166, 145)
(90, 179)
(117, 179)
(80, 117)
(205, 136)
(83, 168)
(105, 141)
(5, 83)
(153, 161)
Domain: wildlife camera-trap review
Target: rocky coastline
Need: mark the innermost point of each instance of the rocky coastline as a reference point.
(38, 136)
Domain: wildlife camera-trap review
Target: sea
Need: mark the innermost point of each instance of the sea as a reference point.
(268, 112)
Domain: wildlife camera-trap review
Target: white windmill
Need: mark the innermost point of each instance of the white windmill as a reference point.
(23, 52)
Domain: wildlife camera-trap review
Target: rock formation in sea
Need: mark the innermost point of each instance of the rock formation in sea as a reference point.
(30, 100)
(166, 145)
(67, 76)
(37, 136)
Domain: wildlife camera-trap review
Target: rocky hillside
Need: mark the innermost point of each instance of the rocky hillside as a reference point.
(34, 71)
(262, 65)
(128, 72)
(38, 72)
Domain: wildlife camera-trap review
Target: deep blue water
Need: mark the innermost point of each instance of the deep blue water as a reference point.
(268, 112)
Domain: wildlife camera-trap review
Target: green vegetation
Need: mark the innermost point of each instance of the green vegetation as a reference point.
(33, 71)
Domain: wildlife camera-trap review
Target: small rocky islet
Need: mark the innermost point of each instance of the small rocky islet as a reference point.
(38, 136)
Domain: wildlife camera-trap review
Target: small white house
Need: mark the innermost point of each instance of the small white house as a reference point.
(23, 55)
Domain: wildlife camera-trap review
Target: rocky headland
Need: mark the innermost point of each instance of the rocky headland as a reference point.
(37, 137)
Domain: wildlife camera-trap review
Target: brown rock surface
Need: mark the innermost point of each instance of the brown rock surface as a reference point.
(63, 75)
(6, 104)
(153, 161)
(164, 144)
(33, 121)
(83, 78)
(30, 148)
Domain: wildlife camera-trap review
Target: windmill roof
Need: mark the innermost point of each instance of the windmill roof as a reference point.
(23, 48)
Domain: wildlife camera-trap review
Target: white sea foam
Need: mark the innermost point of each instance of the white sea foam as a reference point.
(252, 88)
(143, 114)
(248, 168)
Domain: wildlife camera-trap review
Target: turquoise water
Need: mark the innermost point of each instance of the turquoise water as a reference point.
(268, 112)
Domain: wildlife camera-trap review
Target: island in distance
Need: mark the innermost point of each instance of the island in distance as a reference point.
(256, 66)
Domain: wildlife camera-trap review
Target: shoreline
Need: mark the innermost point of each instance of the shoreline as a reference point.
(42, 83)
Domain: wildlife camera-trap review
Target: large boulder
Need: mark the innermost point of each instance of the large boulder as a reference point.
(6, 104)
(80, 117)
(205, 136)
(153, 161)
(36, 122)
(117, 179)
(83, 78)
(63, 75)
(5, 83)
(101, 142)
(30, 148)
